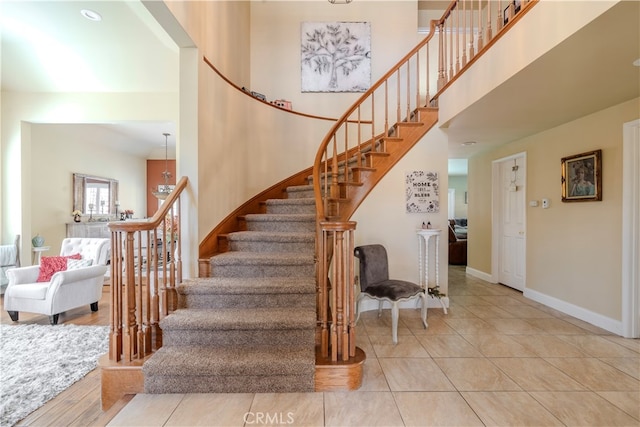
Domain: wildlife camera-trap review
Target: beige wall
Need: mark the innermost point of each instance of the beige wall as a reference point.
(276, 41)
(56, 154)
(241, 140)
(573, 249)
(382, 216)
(21, 110)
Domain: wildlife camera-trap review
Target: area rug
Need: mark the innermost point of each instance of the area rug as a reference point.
(37, 362)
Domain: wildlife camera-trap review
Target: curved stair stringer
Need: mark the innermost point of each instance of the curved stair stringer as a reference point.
(396, 148)
(216, 242)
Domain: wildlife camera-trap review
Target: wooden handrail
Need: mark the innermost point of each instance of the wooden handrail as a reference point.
(230, 83)
(146, 267)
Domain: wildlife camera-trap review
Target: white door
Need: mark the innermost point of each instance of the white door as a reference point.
(510, 233)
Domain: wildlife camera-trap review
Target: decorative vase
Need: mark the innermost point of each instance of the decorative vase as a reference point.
(37, 241)
(76, 218)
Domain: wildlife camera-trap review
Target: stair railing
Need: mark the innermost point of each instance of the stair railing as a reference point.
(465, 31)
(146, 267)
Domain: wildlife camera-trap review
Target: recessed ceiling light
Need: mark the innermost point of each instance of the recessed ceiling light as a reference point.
(91, 15)
(637, 62)
(468, 143)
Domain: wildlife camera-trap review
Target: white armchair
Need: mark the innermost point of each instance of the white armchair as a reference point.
(66, 289)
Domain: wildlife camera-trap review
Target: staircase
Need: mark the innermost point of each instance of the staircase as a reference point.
(250, 327)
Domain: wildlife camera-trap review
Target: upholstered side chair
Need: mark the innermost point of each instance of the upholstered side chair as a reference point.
(58, 284)
(376, 284)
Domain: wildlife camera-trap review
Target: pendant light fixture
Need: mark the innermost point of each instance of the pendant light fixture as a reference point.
(164, 190)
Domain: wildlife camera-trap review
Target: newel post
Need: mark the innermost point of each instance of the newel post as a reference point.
(336, 273)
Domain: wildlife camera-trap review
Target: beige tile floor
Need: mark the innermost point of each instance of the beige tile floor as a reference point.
(496, 359)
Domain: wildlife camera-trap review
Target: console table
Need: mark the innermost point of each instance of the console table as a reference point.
(425, 235)
(98, 229)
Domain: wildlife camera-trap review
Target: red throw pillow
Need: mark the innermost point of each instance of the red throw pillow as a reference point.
(49, 265)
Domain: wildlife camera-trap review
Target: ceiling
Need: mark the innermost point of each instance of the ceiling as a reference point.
(129, 52)
(48, 46)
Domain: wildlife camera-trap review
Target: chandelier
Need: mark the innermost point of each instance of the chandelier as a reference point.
(164, 190)
(340, 1)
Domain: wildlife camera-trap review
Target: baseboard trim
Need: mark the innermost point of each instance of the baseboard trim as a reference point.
(480, 274)
(604, 322)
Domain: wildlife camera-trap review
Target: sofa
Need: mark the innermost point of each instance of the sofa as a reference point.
(457, 245)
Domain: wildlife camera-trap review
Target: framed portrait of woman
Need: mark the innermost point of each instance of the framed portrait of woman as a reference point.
(582, 177)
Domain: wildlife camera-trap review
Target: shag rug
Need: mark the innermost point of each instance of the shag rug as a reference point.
(37, 362)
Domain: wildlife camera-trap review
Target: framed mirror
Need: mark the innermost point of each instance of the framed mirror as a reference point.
(94, 195)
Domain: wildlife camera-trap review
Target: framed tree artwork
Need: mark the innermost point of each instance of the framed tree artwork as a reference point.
(335, 56)
(582, 177)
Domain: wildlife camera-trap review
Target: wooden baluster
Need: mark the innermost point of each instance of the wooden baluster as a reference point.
(359, 150)
(471, 34)
(338, 288)
(464, 33)
(428, 77)
(373, 127)
(386, 104)
(129, 333)
(489, 30)
(450, 20)
(115, 337)
(154, 300)
(324, 294)
(441, 77)
(334, 316)
(418, 76)
(398, 114)
(480, 31)
(351, 295)
(408, 89)
(457, 37)
(140, 326)
(335, 190)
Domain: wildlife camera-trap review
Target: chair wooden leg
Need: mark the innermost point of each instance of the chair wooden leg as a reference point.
(13, 315)
(425, 301)
(358, 311)
(394, 321)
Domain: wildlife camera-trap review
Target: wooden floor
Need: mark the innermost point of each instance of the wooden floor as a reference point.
(79, 405)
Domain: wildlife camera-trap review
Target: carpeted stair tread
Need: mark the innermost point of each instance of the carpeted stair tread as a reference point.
(299, 201)
(300, 192)
(240, 319)
(230, 361)
(271, 236)
(261, 258)
(281, 217)
(240, 285)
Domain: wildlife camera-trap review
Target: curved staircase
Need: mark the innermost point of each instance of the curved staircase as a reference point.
(250, 327)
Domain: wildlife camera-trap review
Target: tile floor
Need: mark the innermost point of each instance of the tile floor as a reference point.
(496, 359)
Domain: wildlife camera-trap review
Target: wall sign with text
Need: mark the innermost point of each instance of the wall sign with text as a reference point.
(422, 192)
